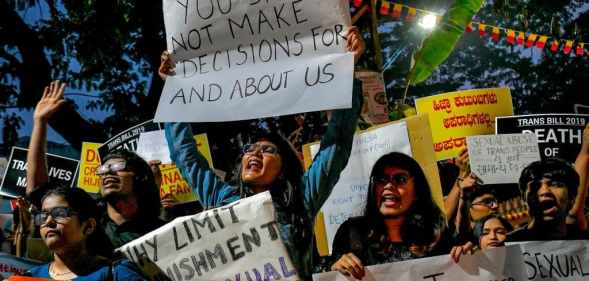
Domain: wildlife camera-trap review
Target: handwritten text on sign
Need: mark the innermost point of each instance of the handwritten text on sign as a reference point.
(250, 59)
(240, 241)
(454, 116)
(501, 158)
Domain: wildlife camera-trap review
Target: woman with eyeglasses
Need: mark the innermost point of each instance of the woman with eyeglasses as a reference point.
(270, 163)
(401, 220)
(68, 225)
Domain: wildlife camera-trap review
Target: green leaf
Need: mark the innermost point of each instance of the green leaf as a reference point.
(440, 43)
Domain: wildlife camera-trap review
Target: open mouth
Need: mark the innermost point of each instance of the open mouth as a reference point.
(52, 233)
(109, 181)
(254, 163)
(549, 207)
(391, 200)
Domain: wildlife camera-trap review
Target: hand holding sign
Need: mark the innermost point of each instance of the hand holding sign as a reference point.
(166, 66)
(51, 101)
(355, 44)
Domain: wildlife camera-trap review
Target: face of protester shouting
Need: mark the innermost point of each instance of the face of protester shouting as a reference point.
(61, 229)
(261, 165)
(482, 206)
(116, 179)
(493, 235)
(395, 192)
(550, 200)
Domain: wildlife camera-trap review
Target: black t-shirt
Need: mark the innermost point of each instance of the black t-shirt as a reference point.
(538, 234)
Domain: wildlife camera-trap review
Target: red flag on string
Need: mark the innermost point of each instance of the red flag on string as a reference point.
(568, 46)
(541, 42)
(384, 8)
(397, 11)
(521, 38)
(510, 37)
(554, 46)
(580, 49)
(357, 3)
(469, 27)
(495, 34)
(531, 40)
(482, 28)
(411, 14)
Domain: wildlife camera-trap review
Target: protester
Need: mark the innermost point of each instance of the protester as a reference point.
(68, 221)
(270, 163)
(401, 221)
(127, 183)
(489, 232)
(549, 187)
(476, 203)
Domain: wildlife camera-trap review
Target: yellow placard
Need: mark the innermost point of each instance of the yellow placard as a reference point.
(174, 184)
(420, 140)
(89, 161)
(456, 115)
(202, 144)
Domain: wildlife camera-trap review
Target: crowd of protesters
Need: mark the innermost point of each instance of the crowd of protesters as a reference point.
(401, 219)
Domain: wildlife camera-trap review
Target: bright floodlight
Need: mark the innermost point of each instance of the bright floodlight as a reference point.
(428, 21)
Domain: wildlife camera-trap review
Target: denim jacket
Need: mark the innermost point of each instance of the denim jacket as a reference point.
(315, 186)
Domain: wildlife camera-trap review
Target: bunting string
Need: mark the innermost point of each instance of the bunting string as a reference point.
(513, 37)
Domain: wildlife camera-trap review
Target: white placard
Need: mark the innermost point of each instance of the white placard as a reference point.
(348, 198)
(239, 241)
(154, 146)
(499, 159)
(251, 59)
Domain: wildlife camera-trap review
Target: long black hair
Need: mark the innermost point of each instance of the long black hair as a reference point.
(480, 226)
(424, 219)
(286, 189)
(97, 243)
(144, 186)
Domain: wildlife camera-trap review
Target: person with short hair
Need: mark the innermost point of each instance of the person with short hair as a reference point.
(549, 187)
(401, 220)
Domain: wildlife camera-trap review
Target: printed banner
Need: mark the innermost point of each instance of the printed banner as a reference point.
(499, 159)
(375, 109)
(127, 139)
(456, 115)
(61, 170)
(239, 60)
(89, 162)
(239, 241)
(531, 261)
(348, 198)
(11, 265)
(559, 135)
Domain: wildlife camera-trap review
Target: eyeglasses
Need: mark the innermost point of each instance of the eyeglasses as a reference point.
(58, 214)
(487, 202)
(112, 167)
(267, 149)
(396, 179)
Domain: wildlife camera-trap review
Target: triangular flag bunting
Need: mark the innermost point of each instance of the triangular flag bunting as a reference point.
(531, 40)
(357, 3)
(520, 38)
(495, 34)
(554, 46)
(411, 14)
(397, 11)
(510, 37)
(482, 28)
(580, 49)
(469, 27)
(541, 42)
(568, 46)
(384, 8)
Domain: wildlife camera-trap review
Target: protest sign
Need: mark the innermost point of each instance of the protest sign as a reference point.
(533, 261)
(499, 159)
(456, 115)
(153, 146)
(375, 109)
(581, 109)
(240, 241)
(505, 264)
(89, 162)
(127, 139)
(559, 135)
(61, 170)
(11, 265)
(348, 198)
(240, 60)
(173, 184)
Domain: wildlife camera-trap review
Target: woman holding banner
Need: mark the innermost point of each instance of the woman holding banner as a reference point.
(269, 163)
(401, 220)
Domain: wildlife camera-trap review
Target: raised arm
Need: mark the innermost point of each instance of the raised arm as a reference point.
(462, 181)
(582, 166)
(211, 190)
(336, 144)
(50, 102)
